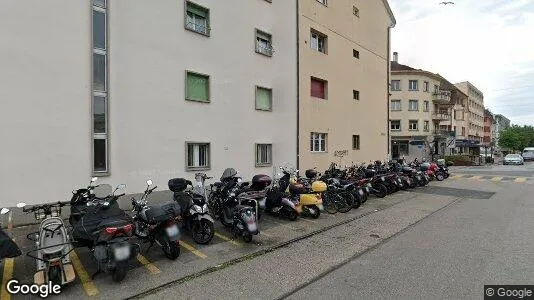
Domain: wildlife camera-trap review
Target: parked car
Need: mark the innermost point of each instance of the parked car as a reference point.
(528, 154)
(513, 159)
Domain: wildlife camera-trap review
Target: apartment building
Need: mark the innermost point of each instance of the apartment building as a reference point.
(427, 113)
(130, 90)
(343, 81)
(488, 128)
(500, 123)
(475, 118)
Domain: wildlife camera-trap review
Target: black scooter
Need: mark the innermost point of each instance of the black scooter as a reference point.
(277, 201)
(8, 248)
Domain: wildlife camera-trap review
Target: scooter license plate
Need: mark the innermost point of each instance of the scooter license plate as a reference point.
(122, 252)
(360, 192)
(172, 231)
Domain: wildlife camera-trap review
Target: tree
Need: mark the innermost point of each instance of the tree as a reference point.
(517, 137)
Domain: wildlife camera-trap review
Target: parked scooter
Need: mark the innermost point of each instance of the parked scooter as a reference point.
(277, 202)
(194, 208)
(157, 223)
(308, 193)
(105, 229)
(238, 213)
(52, 243)
(8, 248)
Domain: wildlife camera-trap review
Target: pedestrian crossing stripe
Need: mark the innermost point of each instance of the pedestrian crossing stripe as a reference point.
(520, 179)
(490, 178)
(495, 179)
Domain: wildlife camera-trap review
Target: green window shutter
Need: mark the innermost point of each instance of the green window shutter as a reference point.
(197, 10)
(197, 87)
(263, 99)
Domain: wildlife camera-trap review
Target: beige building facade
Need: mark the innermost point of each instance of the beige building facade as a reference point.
(474, 117)
(426, 113)
(343, 81)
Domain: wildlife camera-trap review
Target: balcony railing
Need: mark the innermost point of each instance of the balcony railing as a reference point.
(442, 97)
(441, 117)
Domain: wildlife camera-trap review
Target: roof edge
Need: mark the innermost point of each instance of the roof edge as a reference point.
(390, 12)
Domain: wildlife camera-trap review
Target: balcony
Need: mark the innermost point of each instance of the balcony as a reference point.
(442, 132)
(441, 117)
(442, 97)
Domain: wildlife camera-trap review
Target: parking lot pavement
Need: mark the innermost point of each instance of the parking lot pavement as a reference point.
(152, 269)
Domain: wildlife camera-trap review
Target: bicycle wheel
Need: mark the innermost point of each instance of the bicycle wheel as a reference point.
(344, 201)
(329, 204)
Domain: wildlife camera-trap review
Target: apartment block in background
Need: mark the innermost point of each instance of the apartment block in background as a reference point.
(500, 123)
(427, 113)
(132, 90)
(343, 81)
(475, 119)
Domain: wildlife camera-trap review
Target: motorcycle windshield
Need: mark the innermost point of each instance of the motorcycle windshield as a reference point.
(228, 173)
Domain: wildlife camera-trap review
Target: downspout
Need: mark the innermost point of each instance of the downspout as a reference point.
(298, 87)
(388, 64)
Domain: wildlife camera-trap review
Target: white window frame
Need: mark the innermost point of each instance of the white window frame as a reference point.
(196, 157)
(322, 138)
(259, 147)
(395, 122)
(318, 41)
(426, 105)
(410, 108)
(395, 85)
(393, 107)
(413, 85)
(412, 122)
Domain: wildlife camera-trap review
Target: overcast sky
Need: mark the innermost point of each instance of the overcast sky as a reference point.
(489, 43)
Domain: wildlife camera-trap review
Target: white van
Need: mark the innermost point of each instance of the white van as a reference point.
(528, 153)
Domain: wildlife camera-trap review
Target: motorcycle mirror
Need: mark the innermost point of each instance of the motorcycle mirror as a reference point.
(94, 179)
(4, 211)
(21, 205)
(149, 182)
(106, 204)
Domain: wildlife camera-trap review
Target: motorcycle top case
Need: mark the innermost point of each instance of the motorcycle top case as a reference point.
(310, 173)
(96, 218)
(8, 248)
(319, 186)
(298, 189)
(162, 212)
(260, 182)
(178, 184)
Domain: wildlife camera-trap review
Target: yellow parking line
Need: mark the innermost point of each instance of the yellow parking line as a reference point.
(475, 177)
(227, 239)
(8, 274)
(497, 179)
(520, 179)
(88, 285)
(193, 250)
(150, 267)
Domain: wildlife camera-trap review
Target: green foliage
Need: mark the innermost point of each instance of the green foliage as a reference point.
(457, 158)
(517, 137)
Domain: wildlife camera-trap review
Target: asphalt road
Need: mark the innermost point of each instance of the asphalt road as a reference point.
(445, 242)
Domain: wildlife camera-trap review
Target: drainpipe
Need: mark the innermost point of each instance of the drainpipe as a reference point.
(388, 91)
(298, 87)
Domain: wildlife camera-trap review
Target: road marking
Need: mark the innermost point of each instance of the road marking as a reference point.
(150, 267)
(193, 250)
(229, 240)
(9, 264)
(308, 220)
(457, 176)
(88, 285)
(520, 179)
(497, 179)
(476, 178)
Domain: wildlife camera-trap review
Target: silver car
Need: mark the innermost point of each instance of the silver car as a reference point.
(513, 159)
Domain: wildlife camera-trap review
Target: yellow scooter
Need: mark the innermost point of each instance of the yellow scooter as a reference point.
(310, 201)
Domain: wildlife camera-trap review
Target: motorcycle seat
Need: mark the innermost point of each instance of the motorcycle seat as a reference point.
(217, 184)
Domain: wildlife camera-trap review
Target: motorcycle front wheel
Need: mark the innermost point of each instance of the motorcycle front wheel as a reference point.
(170, 249)
(119, 273)
(313, 211)
(345, 202)
(203, 231)
(54, 275)
(380, 190)
(247, 237)
(440, 177)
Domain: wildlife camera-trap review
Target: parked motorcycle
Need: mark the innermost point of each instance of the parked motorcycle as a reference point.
(308, 193)
(156, 224)
(277, 201)
(8, 248)
(195, 212)
(52, 243)
(105, 229)
(238, 213)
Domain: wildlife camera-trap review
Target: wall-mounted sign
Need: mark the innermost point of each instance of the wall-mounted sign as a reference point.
(341, 153)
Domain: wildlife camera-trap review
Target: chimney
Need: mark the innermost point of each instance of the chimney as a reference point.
(396, 57)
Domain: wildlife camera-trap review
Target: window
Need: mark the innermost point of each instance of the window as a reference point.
(436, 88)
(425, 106)
(356, 53)
(323, 2)
(197, 87)
(413, 85)
(395, 105)
(197, 18)
(355, 11)
(413, 125)
(356, 95)
(413, 105)
(264, 43)
(396, 125)
(198, 156)
(99, 101)
(264, 99)
(318, 88)
(264, 155)
(318, 142)
(426, 126)
(318, 41)
(395, 85)
(355, 142)
(426, 86)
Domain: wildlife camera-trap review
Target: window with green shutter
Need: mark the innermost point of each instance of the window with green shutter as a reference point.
(197, 87)
(264, 99)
